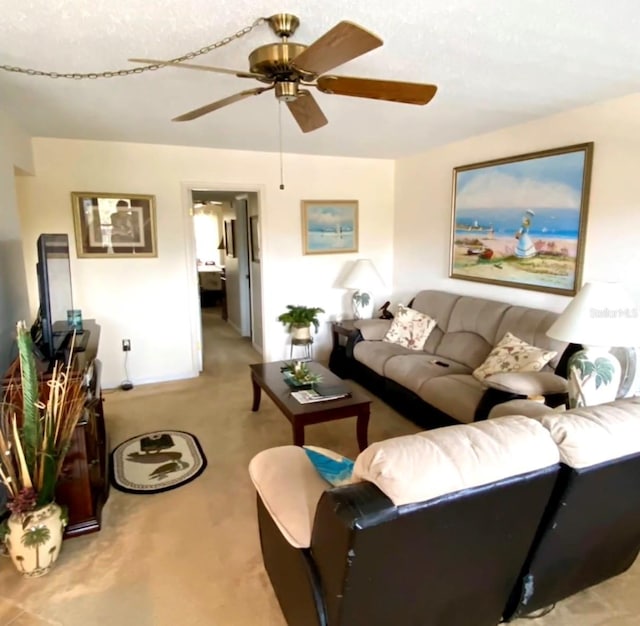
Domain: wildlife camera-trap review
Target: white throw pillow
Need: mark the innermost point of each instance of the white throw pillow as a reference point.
(410, 328)
(513, 355)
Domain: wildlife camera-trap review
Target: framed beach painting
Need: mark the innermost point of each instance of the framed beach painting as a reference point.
(114, 224)
(521, 221)
(329, 226)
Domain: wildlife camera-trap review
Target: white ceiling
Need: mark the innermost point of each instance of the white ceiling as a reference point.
(496, 62)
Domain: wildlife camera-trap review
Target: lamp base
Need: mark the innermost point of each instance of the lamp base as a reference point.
(362, 303)
(594, 377)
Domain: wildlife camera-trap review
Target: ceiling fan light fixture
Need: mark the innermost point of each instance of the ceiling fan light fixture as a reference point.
(288, 67)
(283, 24)
(287, 91)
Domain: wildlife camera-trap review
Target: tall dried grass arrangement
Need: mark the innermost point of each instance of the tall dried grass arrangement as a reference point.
(37, 419)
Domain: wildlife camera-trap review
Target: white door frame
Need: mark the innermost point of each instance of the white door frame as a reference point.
(195, 319)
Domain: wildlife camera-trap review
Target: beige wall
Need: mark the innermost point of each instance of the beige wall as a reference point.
(405, 212)
(423, 200)
(15, 157)
(152, 301)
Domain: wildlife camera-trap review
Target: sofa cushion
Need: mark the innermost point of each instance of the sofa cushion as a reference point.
(430, 464)
(531, 325)
(290, 489)
(457, 395)
(410, 328)
(596, 434)
(374, 354)
(471, 330)
(512, 354)
(438, 305)
(413, 370)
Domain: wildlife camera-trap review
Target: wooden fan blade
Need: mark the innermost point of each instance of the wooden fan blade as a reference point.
(345, 41)
(218, 104)
(395, 91)
(204, 68)
(307, 112)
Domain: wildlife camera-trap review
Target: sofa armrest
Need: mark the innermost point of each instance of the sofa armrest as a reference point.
(360, 502)
(373, 330)
(528, 383)
(354, 338)
(290, 488)
(342, 513)
(343, 509)
(528, 408)
(505, 387)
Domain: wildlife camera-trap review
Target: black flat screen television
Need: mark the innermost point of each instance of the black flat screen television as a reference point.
(51, 332)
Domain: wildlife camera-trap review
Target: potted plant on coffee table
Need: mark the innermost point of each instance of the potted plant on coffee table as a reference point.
(298, 319)
(37, 419)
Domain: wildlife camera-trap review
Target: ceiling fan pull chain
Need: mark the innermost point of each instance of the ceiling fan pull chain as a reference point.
(280, 143)
(136, 70)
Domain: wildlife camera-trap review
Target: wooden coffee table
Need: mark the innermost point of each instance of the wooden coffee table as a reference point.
(268, 377)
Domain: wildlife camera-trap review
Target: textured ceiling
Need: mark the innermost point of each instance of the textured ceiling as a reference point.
(496, 62)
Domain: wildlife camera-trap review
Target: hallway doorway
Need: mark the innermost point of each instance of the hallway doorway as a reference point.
(225, 228)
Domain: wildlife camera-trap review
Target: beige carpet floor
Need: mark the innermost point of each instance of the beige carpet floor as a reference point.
(191, 556)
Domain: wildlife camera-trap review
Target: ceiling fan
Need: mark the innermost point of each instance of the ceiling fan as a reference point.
(288, 67)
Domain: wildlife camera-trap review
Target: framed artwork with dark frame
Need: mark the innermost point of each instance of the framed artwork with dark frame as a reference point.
(329, 226)
(521, 221)
(254, 237)
(230, 237)
(114, 224)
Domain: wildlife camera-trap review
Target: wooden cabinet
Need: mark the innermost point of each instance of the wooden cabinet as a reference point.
(84, 484)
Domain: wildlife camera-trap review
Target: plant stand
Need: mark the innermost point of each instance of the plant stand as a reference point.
(304, 345)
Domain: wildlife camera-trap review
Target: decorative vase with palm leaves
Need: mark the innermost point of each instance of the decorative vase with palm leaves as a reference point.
(594, 377)
(38, 416)
(33, 539)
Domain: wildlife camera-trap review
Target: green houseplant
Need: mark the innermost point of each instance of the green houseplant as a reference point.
(300, 317)
(298, 373)
(37, 420)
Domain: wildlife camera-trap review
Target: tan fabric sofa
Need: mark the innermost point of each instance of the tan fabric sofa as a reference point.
(467, 330)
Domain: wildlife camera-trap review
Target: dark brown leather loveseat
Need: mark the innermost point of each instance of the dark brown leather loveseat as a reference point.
(459, 526)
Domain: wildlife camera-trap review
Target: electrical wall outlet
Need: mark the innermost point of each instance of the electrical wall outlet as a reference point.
(126, 345)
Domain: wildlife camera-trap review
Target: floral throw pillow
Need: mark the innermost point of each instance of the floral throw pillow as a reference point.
(511, 354)
(410, 328)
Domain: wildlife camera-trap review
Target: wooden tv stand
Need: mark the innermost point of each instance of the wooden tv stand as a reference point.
(84, 484)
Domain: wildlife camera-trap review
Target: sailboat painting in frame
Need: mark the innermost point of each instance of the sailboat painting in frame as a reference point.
(329, 226)
(521, 221)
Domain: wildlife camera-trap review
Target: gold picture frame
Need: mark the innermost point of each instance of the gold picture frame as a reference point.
(113, 225)
(329, 226)
(521, 221)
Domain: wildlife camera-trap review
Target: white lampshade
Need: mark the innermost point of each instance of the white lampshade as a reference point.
(363, 276)
(601, 314)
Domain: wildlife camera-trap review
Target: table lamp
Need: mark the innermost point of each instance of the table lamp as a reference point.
(601, 316)
(364, 278)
